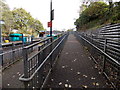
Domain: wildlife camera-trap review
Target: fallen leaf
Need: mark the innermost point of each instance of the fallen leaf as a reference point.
(69, 86)
(8, 84)
(66, 80)
(85, 76)
(93, 83)
(28, 85)
(92, 78)
(78, 72)
(13, 76)
(18, 72)
(100, 73)
(84, 86)
(96, 66)
(60, 83)
(74, 60)
(97, 84)
(107, 83)
(89, 58)
(52, 79)
(66, 85)
(66, 53)
(63, 66)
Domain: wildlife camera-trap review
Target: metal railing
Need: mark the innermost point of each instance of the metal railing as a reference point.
(13, 52)
(102, 52)
(38, 67)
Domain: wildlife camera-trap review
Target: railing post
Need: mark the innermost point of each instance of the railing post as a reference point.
(1, 56)
(13, 52)
(118, 78)
(39, 62)
(51, 47)
(104, 58)
(25, 58)
(92, 41)
(51, 55)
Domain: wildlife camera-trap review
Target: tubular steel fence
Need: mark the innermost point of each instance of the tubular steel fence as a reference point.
(106, 54)
(14, 52)
(38, 67)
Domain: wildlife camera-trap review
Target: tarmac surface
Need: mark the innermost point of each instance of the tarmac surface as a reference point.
(75, 69)
(10, 76)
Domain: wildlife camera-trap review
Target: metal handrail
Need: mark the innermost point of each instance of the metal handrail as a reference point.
(6, 62)
(34, 44)
(101, 51)
(11, 51)
(40, 50)
(30, 78)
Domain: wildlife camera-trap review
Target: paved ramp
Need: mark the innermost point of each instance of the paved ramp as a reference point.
(75, 69)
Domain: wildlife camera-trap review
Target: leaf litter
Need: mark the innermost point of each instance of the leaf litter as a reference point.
(85, 76)
(84, 86)
(78, 73)
(60, 83)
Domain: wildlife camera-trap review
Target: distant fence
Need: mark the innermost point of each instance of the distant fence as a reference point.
(38, 67)
(13, 52)
(104, 48)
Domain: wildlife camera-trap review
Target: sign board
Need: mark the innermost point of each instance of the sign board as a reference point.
(49, 24)
(52, 14)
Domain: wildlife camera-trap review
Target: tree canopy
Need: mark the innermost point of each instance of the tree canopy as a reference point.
(20, 20)
(98, 13)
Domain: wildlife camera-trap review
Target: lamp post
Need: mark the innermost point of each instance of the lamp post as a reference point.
(51, 18)
(1, 51)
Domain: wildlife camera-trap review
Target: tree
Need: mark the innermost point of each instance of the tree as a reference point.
(25, 23)
(18, 19)
(36, 27)
(95, 11)
(21, 19)
(6, 15)
(116, 13)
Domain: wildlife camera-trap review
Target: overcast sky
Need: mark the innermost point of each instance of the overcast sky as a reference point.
(65, 11)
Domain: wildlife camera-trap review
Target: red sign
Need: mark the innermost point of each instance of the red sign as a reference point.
(49, 24)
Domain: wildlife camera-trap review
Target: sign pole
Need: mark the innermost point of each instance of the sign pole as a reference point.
(51, 19)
